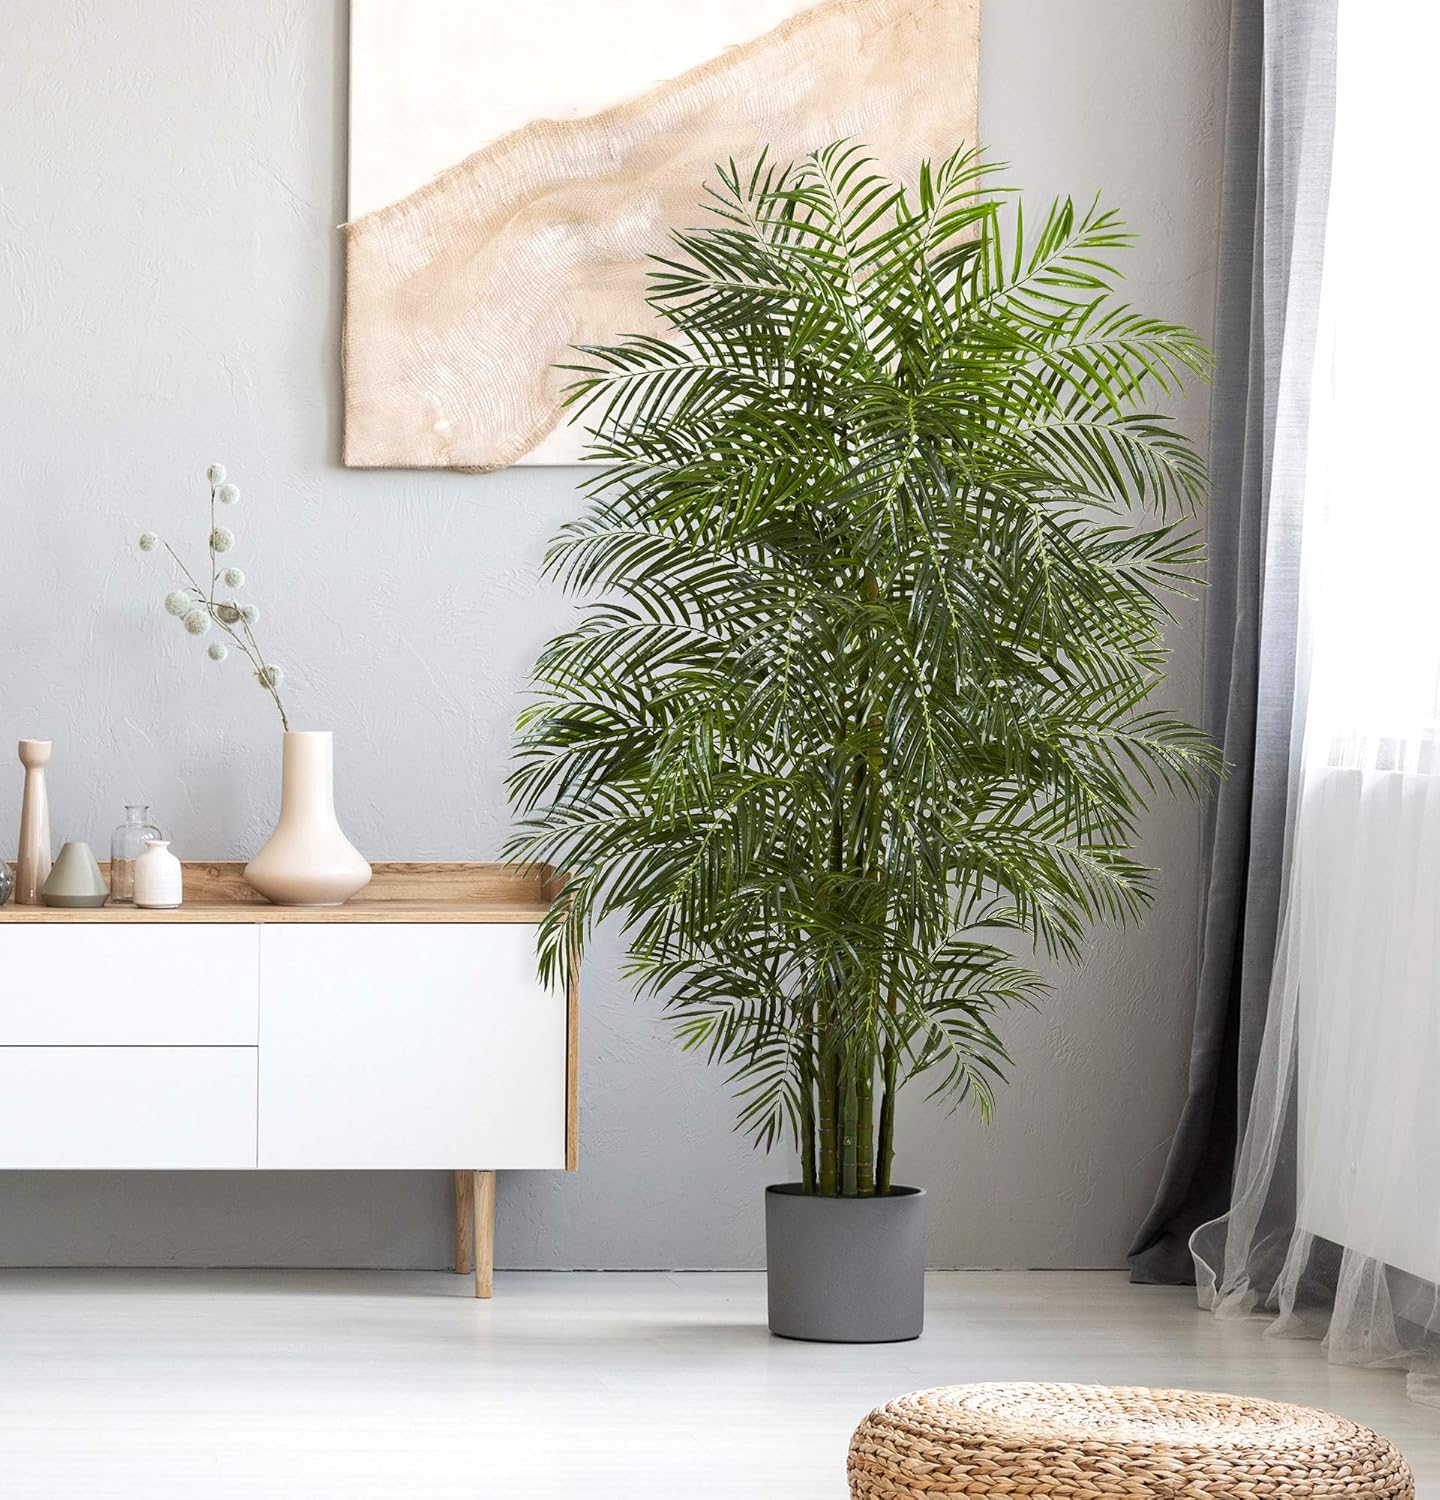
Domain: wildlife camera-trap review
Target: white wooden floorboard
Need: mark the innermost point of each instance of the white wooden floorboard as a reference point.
(294, 1384)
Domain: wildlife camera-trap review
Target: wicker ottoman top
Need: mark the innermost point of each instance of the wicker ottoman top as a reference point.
(1092, 1442)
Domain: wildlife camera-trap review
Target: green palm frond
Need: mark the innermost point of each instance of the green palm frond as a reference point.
(881, 542)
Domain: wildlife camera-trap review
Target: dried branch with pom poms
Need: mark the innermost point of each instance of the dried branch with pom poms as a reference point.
(197, 608)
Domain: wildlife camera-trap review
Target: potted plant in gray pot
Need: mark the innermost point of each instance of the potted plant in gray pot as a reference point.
(882, 540)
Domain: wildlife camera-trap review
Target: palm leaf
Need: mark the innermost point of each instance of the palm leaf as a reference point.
(878, 565)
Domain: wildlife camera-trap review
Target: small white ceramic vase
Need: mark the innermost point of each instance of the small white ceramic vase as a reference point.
(159, 881)
(308, 861)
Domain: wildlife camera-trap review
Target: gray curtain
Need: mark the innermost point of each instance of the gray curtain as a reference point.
(1279, 125)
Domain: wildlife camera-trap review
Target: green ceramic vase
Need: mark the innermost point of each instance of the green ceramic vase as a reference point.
(74, 879)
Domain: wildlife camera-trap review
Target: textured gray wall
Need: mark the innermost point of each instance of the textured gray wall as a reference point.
(171, 176)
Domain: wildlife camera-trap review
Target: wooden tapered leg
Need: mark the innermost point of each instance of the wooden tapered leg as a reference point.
(464, 1222)
(484, 1193)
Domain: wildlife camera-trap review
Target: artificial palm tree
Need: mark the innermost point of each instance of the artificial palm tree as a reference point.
(881, 544)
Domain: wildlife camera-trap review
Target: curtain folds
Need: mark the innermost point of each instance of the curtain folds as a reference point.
(1279, 126)
(1334, 1229)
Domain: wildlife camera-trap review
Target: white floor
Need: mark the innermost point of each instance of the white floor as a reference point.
(198, 1384)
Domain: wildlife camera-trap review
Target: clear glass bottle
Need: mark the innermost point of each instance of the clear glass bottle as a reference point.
(127, 844)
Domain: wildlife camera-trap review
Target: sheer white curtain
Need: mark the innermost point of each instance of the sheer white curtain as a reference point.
(1334, 1228)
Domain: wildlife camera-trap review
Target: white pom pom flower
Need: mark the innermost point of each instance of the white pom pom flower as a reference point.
(216, 473)
(197, 622)
(249, 613)
(147, 541)
(227, 494)
(233, 578)
(227, 614)
(270, 676)
(216, 651)
(221, 539)
(179, 602)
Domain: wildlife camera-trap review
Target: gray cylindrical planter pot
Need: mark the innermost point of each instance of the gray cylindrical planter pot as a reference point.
(845, 1270)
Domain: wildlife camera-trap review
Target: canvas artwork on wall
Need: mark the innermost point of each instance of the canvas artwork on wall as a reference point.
(513, 165)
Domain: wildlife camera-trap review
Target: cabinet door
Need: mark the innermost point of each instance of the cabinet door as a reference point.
(408, 1045)
(127, 1107)
(162, 984)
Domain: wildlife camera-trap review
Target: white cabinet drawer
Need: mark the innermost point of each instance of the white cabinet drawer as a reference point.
(127, 1107)
(407, 1045)
(162, 984)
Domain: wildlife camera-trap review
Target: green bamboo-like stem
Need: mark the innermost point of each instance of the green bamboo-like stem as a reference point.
(865, 1124)
(829, 1173)
(807, 1107)
(868, 859)
(889, 1068)
(849, 1150)
(831, 1103)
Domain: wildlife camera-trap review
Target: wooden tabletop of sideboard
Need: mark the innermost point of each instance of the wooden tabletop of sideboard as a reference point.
(215, 891)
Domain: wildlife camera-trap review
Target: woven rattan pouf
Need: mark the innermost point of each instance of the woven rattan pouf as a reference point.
(1095, 1442)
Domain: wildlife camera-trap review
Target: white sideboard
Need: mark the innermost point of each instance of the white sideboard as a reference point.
(405, 1030)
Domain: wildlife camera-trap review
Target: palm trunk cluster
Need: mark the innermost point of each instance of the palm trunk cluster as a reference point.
(844, 1151)
(847, 1151)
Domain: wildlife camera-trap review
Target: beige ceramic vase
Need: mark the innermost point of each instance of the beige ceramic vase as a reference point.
(32, 868)
(308, 861)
